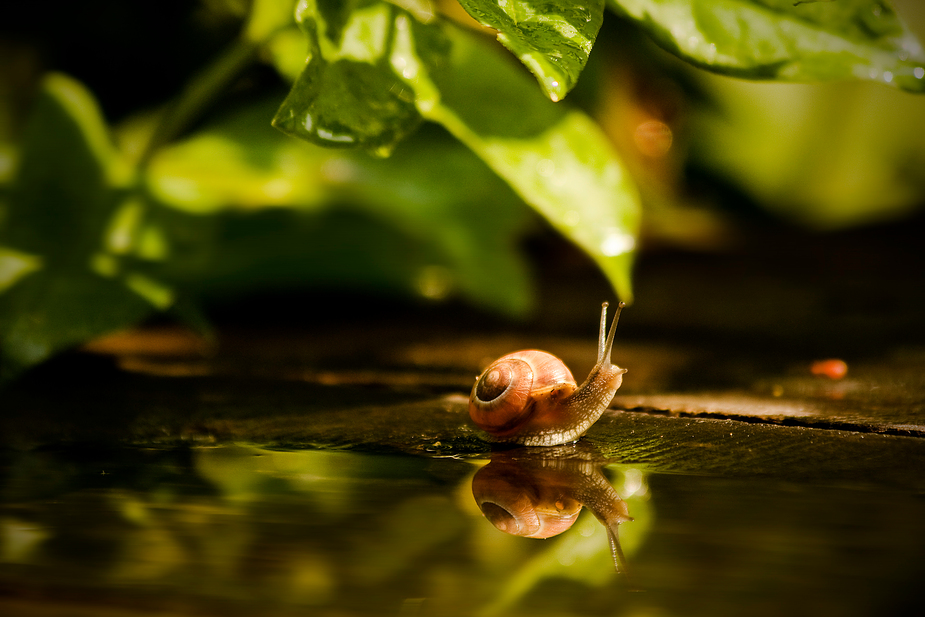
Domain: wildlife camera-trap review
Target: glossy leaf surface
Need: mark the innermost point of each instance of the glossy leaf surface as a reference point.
(552, 38)
(348, 95)
(556, 158)
(785, 40)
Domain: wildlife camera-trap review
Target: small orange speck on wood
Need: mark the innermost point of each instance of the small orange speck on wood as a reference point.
(832, 368)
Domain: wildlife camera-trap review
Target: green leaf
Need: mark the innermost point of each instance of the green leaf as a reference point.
(430, 201)
(16, 265)
(348, 95)
(343, 248)
(556, 158)
(553, 38)
(286, 52)
(442, 195)
(266, 18)
(784, 40)
(69, 221)
(51, 311)
(62, 194)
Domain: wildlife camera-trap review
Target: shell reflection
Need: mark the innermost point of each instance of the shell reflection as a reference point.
(540, 494)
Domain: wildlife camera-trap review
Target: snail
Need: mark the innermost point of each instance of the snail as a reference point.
(530, 397)
(539, 494)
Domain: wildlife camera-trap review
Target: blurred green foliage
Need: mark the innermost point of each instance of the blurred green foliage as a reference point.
(102, 225)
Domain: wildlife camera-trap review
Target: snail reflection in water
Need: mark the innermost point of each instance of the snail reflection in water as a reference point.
(540, 493)
(530, 397)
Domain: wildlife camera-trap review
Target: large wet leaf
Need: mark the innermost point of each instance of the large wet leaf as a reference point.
(786, 40)
(555, 157)
(68, 221)
(552, 38)
(348, 94)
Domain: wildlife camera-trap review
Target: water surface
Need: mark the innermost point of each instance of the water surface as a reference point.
(245, 530)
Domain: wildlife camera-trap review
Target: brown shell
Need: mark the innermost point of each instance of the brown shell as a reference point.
(504, 395)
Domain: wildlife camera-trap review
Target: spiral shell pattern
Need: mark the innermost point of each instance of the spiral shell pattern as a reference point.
(502, 399)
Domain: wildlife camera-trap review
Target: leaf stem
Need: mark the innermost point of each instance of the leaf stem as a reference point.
(199, 93)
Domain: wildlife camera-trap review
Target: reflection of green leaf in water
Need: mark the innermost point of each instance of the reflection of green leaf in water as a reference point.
(552, 38)
(784, 40)
(406, 534)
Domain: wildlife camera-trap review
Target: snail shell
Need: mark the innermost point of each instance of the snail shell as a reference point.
(530, 397)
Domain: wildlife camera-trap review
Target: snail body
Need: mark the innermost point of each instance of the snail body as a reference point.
(530, 397)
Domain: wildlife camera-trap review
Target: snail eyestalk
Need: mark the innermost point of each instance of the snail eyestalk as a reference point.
(605, 346)
(602, 337)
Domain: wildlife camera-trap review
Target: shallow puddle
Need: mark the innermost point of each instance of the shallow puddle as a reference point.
(242, 530)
